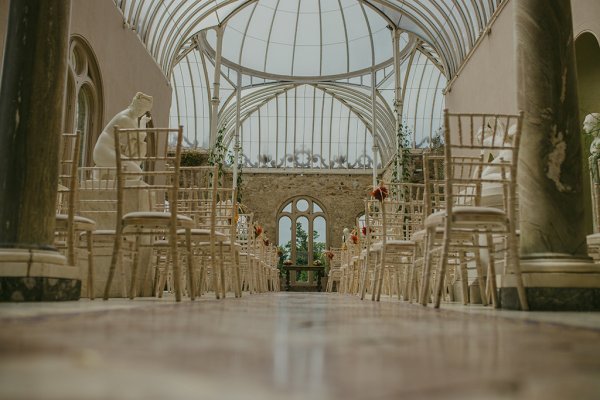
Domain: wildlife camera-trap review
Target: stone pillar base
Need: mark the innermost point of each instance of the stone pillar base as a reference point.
(37, 275)
(555, 283)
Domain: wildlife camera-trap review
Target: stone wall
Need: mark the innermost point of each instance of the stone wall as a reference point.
(341, 195)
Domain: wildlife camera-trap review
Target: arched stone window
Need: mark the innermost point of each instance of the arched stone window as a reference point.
(84, 106)
(302, 232)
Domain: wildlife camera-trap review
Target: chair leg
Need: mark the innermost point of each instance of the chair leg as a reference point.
(190, 263)
(222, 270)
(492, 271)
(90, 251)
(134, 268)
(441, 275)
(375, 278)
(113, 262)
(176, 268)
(464, 279)
(427, 261)
(238, 272)
(513, 261)
(479, 269)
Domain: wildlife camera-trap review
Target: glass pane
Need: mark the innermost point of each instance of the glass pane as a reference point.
(284, 238)
(361, 221)
(317, 208)
(288, 208)
(302, 205)
(302, 241)
(83, 122)
(319, 240)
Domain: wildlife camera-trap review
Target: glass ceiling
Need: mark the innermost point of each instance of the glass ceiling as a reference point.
(306, 69)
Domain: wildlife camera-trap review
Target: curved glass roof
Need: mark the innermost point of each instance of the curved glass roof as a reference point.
(305, 38)
(450, 27)
(306, 68)
(262, 100)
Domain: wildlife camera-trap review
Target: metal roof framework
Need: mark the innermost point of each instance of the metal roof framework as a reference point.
(329, 52)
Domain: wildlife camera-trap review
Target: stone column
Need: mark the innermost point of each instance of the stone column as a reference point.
(557, 272)
(31, 111)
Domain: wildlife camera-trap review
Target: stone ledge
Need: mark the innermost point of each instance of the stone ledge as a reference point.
(553, 298)
(39, 289)
(37, 275)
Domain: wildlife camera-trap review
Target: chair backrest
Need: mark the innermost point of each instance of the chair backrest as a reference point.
(155, 178)
(197, 196)
(407, 206)
(227, 213)
(481, 153)
(244, 229)
(97, 198)
(67, 186)
(334, 259)
(434, 183)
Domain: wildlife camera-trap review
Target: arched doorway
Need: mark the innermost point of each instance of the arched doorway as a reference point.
(302, 235)
(587, 53)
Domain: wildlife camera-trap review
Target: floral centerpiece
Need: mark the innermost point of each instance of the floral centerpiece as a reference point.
(287, 262)
(258, 230)
(317, 263)
(353, 238)
(380, 192)
(364, 230)
(329, 254)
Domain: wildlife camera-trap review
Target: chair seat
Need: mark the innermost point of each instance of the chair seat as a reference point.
(155, 219)
(469, 215)
(80, 223)
(198, 233)
(400, 243)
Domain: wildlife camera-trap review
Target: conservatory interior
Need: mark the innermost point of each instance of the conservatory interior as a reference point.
(300, 199)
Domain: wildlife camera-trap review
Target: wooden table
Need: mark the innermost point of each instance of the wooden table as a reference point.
(319, 270)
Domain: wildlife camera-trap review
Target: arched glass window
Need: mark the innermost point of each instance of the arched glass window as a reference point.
(302, 233)
(83, 110)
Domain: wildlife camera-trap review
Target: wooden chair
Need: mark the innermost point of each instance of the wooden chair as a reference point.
(399, 215)
(69, 225)
(196, 199)
(369, 257)
(98, 201)
(334, 275)
(244, 230)
(158, 185)
(481, 152)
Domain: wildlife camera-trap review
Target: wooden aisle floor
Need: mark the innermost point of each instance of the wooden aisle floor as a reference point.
(292, 346)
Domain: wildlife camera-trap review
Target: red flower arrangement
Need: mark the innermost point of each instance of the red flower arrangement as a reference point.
(329, 255)
(380, 192)
(354, 238)
(364, 230)
(266, 242)
(258, 230)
